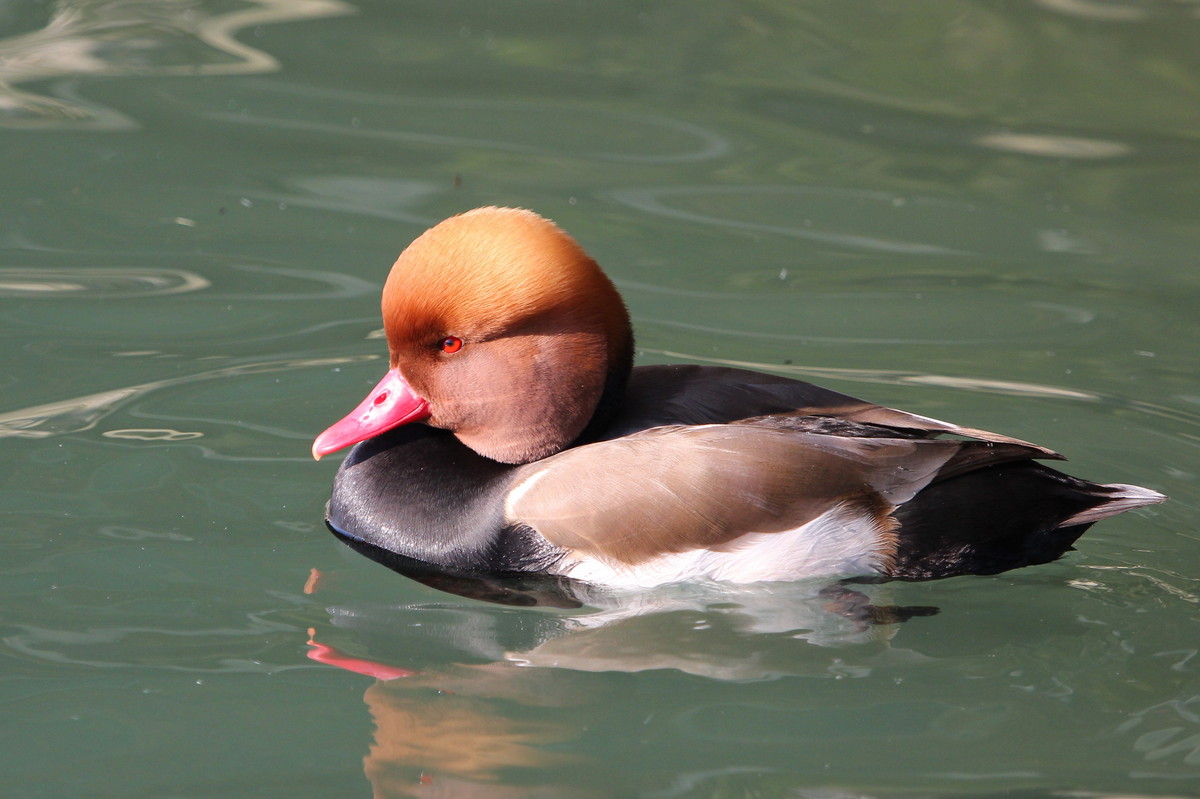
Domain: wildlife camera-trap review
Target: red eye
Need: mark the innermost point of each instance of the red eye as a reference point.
(451, 344)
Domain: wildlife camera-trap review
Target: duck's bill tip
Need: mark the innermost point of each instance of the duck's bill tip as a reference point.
(329, 441)
(390, 404)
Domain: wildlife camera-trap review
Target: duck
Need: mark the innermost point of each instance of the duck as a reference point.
(512, 434)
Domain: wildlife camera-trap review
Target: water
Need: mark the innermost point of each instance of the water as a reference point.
(982, 212)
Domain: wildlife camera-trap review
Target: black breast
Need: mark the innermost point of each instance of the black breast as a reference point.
(420, 493)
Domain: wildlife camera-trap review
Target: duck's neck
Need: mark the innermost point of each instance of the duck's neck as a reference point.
(612, 398)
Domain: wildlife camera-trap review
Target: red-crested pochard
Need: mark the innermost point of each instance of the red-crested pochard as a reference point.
(541, 449)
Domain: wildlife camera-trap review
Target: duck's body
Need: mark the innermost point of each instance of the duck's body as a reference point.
(556, 458)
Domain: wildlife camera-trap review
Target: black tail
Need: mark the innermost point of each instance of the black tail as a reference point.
(1002, 517)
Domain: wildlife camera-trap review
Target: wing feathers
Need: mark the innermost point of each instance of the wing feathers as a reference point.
(684, 468)
(672, 489)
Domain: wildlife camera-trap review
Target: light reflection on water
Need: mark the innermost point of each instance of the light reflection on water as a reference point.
(97, 282)
(78, 414)
(568, 667)
(125, 37)
(543, 129)
(871, 221)
(1051, 146)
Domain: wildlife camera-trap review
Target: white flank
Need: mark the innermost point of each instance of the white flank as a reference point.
(841, 541)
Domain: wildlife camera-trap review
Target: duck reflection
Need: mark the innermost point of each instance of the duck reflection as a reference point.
(465, 742)
(495, 699)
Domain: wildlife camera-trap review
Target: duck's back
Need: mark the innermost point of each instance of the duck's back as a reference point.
(688, 394)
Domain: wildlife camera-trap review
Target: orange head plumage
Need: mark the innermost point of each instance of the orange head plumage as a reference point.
(508, 332)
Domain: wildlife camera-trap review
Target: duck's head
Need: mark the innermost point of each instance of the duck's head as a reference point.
(500, 329)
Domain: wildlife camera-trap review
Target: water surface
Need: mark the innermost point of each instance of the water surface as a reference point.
(985, 213)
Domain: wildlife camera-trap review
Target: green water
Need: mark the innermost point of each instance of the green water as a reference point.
(985, 212)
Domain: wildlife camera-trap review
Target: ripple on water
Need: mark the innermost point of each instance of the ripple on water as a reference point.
(856, 219)
(51, 282)
(115, 37)
(77, 414)
(546, 128)
(936, 316)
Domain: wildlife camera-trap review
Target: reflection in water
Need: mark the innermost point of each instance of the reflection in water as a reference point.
(471, 700)
(864, 220)
(905, 324)
(120, 645)
(894, 235)
(1011, 387)
(126, 533)
(109, 282)
(358, 195)
(135, 38)
(152, 434)
(1099, 10)
(487, 704)
(1169, 730)
(860, 314)
(69, 415)
(127, 282)
(892, 376)
(539, 129)
(725, 633)
(1051, 146)
(460, 745)
(335, 284)
(83, 413)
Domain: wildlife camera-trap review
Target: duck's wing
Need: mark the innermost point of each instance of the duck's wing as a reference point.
(682, 488)
(696, 395)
